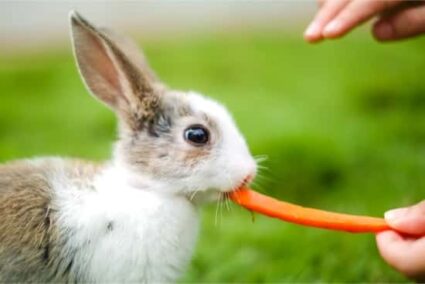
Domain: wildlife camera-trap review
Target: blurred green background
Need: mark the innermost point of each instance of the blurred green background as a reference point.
(342, 124)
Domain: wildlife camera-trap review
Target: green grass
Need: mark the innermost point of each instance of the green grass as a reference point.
(343, 125)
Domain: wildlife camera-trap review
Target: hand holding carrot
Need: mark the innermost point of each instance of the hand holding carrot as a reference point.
(399, 247)
(396, 19)
(406, 254)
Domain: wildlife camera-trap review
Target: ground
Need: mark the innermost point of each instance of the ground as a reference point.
(342, 124)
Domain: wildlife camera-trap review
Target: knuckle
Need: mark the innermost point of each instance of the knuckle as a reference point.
(409, 264)
(412, 18)
(385, 4)
(421, 206)
(409, 269)
(403, 264)
(408, 22)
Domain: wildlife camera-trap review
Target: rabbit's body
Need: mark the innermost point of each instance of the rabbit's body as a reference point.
(132, 219)
(89, 224)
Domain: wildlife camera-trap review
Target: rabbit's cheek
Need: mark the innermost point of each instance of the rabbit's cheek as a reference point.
(195, 156)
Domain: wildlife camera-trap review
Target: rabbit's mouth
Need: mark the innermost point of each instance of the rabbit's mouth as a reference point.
(214, 194)
(246, 181)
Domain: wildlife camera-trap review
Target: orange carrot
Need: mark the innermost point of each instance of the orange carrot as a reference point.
(271, 207)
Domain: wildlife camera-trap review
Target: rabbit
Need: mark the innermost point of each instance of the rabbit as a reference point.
(132, 218)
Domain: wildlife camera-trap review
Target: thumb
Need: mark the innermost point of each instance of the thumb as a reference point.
(409, 220)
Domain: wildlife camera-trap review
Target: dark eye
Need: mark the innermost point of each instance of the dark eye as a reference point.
(196, 135)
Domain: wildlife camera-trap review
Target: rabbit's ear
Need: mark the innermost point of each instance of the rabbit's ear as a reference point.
(132, 51)
(110, 74)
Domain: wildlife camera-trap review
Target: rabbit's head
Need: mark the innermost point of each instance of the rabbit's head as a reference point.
(177, 138)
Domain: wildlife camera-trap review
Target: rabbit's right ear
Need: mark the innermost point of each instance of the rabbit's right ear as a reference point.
(110, 74)
(132, 51)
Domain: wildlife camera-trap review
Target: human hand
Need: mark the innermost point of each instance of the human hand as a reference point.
(404, 252)
(397, 19)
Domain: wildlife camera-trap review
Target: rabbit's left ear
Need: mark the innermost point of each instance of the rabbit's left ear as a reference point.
(111, 75)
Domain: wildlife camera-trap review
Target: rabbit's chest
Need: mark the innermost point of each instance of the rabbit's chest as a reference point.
(131, 236)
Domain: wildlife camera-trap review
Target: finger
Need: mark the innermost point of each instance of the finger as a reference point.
(406, 23)
(354, 14)
(327, 11)
(407, 256)
(409, 220)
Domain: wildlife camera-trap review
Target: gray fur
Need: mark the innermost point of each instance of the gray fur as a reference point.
(31, 245)
(147, 112)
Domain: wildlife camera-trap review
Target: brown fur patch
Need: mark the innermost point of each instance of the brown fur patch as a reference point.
(195, 155)
(30, 241)
(109, 71)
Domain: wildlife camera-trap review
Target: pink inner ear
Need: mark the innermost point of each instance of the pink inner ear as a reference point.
(104, 65)
(97, 67)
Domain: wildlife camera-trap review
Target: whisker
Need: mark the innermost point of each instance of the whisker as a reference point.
(261, 155)
(223, 205)
(260, 158)
(262, 177)
(227, 201)
(193, 195)
(220, 208)
(263, 170)
(259, 187)
(216, 211)
(262, 167)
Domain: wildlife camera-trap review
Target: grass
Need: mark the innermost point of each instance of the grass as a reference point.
(343, 125)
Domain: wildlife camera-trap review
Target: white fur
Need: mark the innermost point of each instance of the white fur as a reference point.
(233, 161)
(228, 165)
(154, 225)
(152, 236)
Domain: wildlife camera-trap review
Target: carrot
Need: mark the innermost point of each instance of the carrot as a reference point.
(285, 211)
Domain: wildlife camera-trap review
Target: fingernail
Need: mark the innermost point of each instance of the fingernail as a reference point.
(332, 28)
(312, 30)
(394, 215)
(384, 30)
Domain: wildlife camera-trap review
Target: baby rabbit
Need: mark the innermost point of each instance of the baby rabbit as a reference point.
(130, 219)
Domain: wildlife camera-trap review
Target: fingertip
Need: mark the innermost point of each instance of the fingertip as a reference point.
(396, 216)
(333, 30)
(388, 237)
(313, 33)
(405, 22)
(327, 17)
(409, 220)
(314, 39)
(383, 30)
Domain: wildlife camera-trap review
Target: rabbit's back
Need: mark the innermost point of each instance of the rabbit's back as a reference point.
(29, 239)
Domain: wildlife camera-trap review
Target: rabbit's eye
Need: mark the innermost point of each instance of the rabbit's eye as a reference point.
(196, 135)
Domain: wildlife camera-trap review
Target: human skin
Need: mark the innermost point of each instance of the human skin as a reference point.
(395, 19)
(404, 248)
